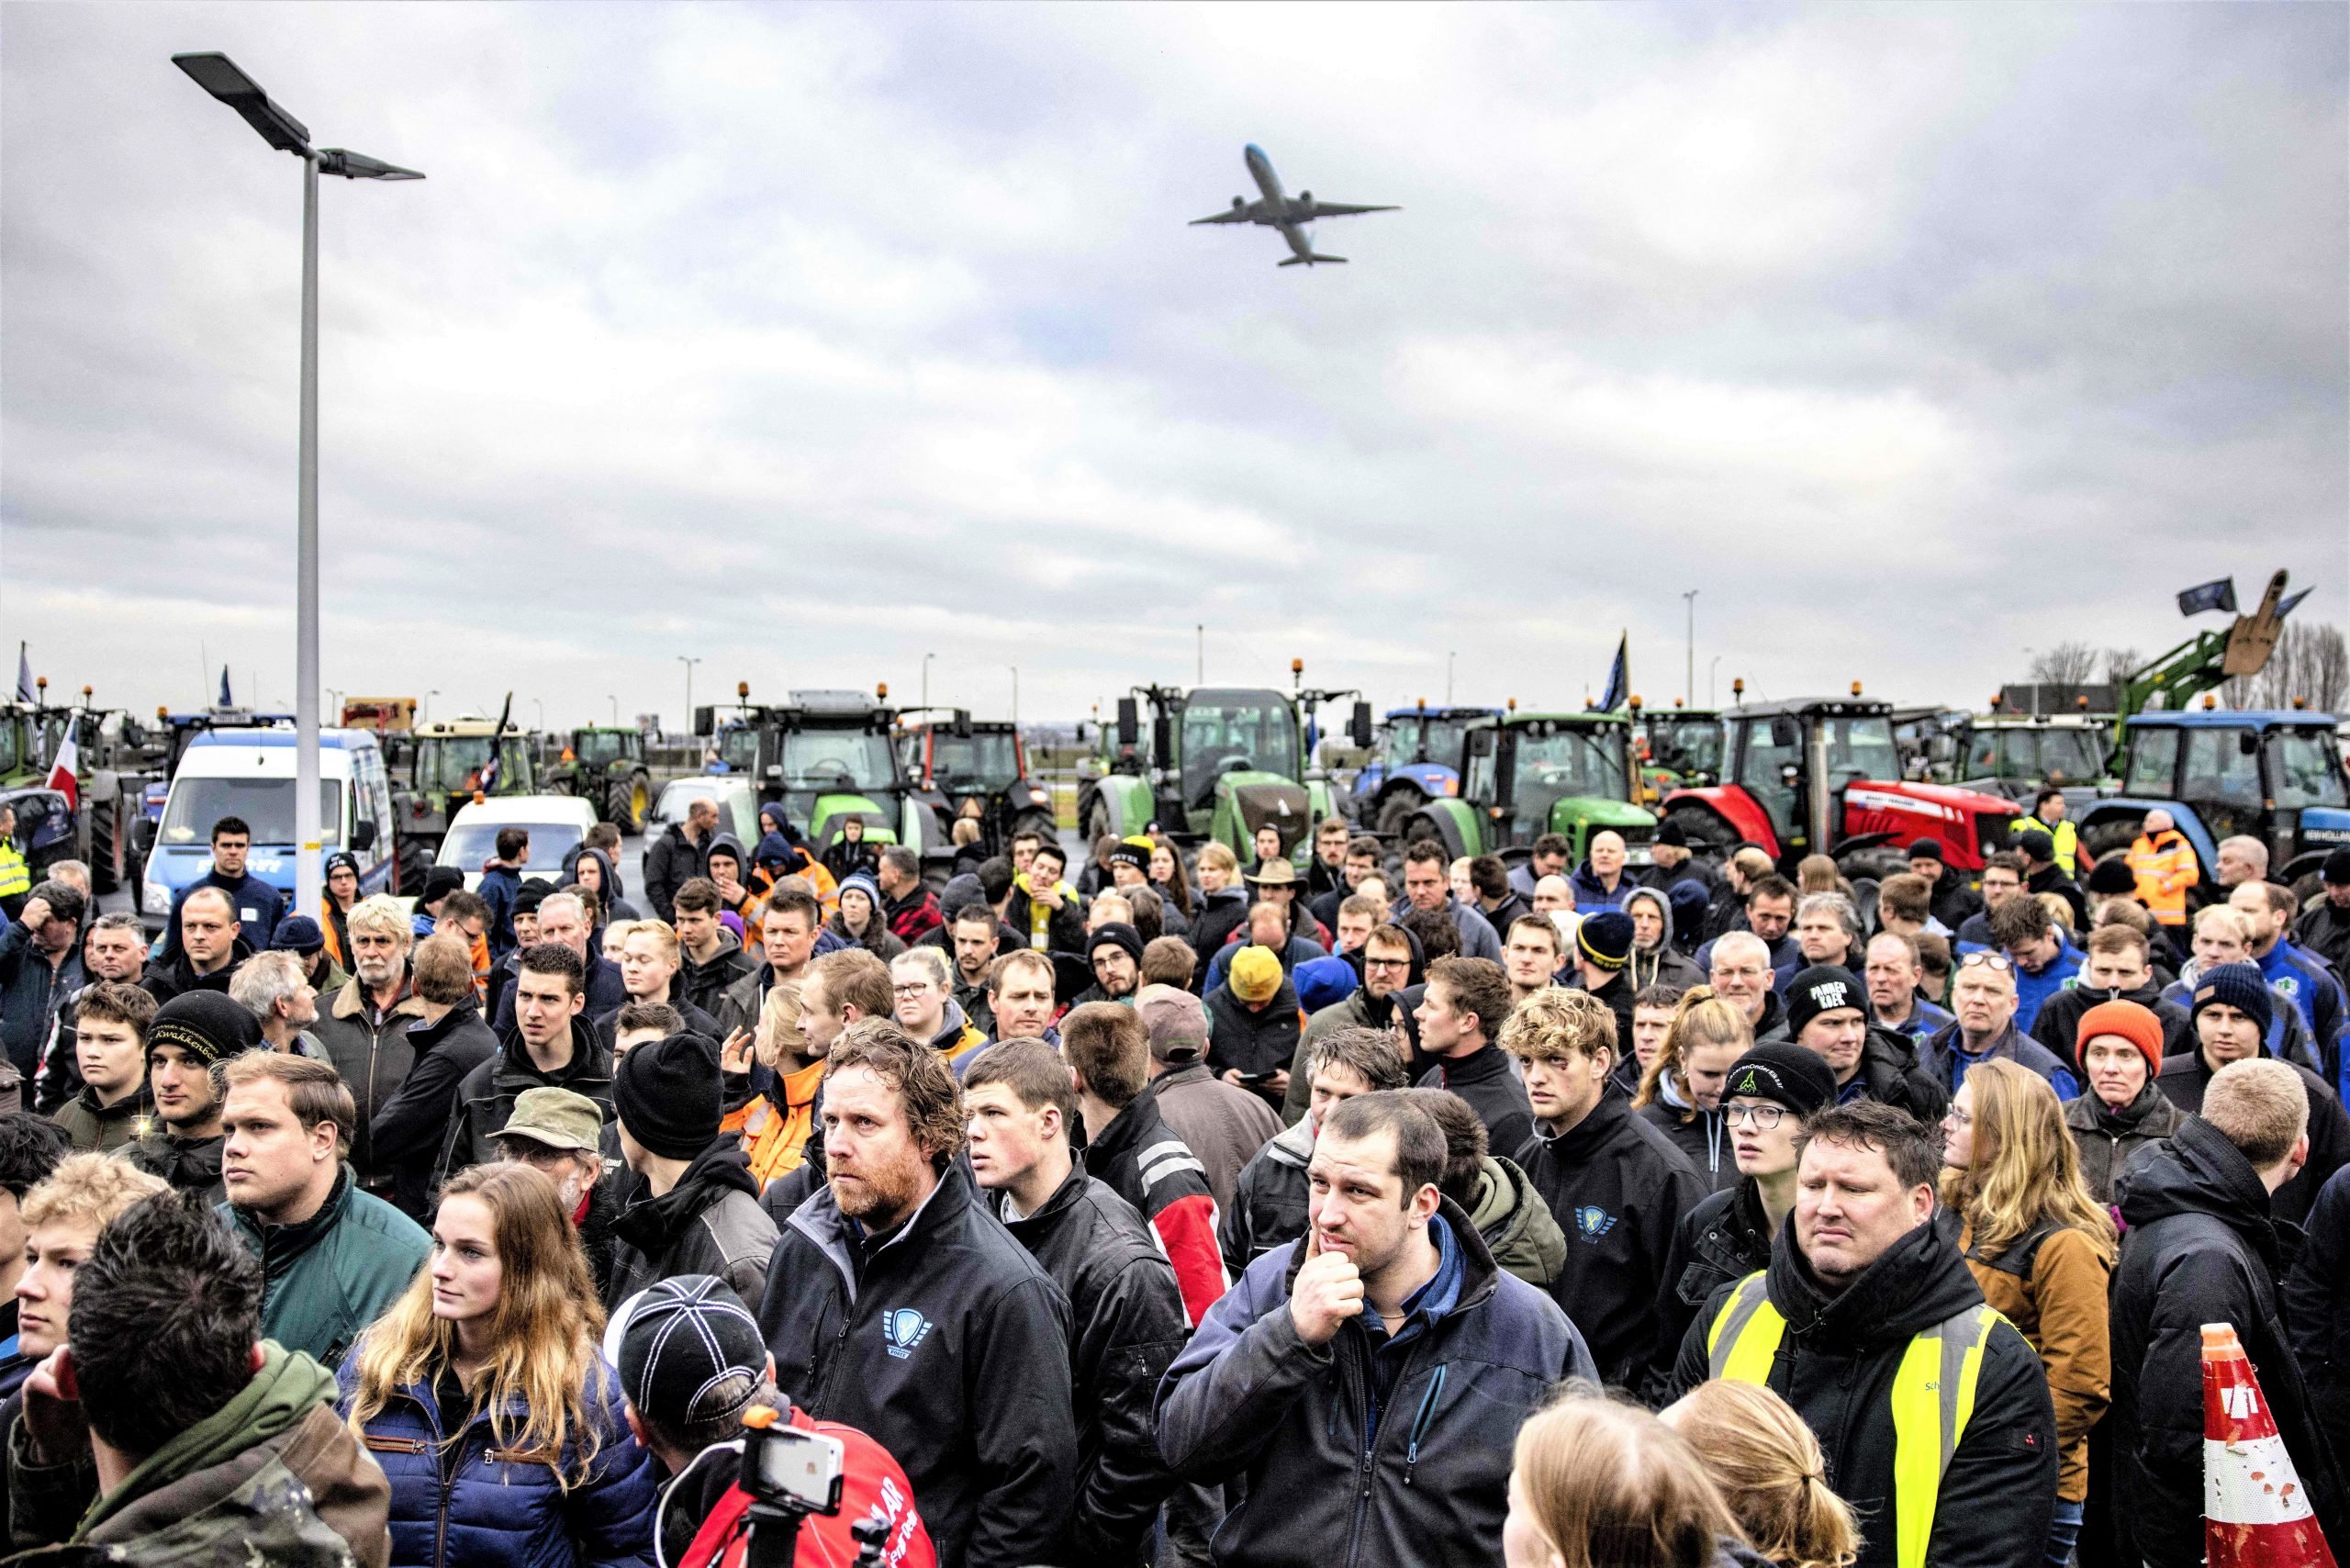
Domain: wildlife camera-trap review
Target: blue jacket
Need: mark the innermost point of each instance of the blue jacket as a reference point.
(1300, 950)
(31, 993)
(1591, 895)
(2031, 990)
(2316, 995)
(500, 1508)
(1367, 1449)
(1478, 938)
(1924, 1019)
(499, 884)
(1944, 1058)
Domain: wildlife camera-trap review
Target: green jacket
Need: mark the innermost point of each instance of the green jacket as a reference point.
(273, 1476)
(1518, 1226)
(105, 1128)
(331, 1275)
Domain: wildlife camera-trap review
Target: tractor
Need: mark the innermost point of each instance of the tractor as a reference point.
(963, 761)
(826, 756)
(1678, 748)
(114, 758)
(604, 764)
(1820, 774)
(1417, 760)
(1527, 774)
(444, 770)
(1217, 762)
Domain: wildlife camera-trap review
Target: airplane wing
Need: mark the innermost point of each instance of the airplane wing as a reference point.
(1229, 214)
(1339, 209)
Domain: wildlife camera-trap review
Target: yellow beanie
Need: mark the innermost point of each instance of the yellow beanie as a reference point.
(1256, 974)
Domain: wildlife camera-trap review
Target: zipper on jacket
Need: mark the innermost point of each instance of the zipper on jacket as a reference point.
(1421, 1422)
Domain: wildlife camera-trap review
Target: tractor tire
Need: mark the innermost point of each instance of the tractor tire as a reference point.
(613, 808)
(1416, 827)
(1397, 810)
(106, 847)
(638, 800)
(1709, 837)
(1039, 823)
(410, 867)
(2110, 837)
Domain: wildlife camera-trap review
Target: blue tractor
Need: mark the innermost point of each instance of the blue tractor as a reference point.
(1417, 760)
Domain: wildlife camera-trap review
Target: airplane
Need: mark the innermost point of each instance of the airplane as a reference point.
(1290, 214)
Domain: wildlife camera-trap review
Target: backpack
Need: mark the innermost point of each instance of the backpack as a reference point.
(872, 1486)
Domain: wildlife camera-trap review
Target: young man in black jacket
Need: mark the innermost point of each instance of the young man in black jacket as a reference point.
(1617, 1186)
(2203, 1246)
(698, 1211)
(897, 1304)
(1830, 1324)
(1370, 1379)
(1126, 1320)
(1460, 1016)
(549, 1046)
(449, 1041)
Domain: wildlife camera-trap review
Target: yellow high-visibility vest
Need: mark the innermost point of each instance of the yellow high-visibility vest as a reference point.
(2064, 838)
(16, 877)
(1933, 1396)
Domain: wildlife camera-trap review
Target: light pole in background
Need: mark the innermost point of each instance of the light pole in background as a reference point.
(1447, 677)
(925, 677)
(1015, 696)
(218, 75)
(1690, 600)
(689, 664)
(616, 708)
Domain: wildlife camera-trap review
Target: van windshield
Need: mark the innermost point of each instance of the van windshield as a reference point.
(265, 804)
(470, 845)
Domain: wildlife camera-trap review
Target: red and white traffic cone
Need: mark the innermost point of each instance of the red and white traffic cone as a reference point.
(2255, 1511)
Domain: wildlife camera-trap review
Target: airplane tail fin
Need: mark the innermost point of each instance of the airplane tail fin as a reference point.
(1309, 261)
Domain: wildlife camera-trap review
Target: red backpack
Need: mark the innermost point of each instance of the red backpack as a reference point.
(872, 1488)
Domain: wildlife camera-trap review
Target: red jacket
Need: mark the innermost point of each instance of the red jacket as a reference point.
(872, 1486)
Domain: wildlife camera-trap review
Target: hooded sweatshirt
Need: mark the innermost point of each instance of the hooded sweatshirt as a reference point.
(1663, 964)
(614, 898)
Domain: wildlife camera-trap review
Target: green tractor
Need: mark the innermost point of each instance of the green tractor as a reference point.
(828, 756)
(1679, 748)
(604, 764)
(1527, 774)
(440, 769)
(1218, 764)
(116, 756)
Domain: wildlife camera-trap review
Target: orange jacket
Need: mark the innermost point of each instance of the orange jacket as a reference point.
(2167, 869)
(775, 1138)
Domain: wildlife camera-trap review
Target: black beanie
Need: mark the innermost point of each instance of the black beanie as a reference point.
(669, 1095)
(1823, 988)
(206, 1025)
(1793, 1076)
(1671, 833)
(2337, 868)
(2112, 876)
(1116, 933)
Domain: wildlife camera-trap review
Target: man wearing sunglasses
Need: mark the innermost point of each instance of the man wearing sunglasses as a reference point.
(1982, 994)
(1827, 1015)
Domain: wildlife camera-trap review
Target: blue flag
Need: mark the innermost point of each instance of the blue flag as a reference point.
(225, 701)
(24, 676)
(2218, 594)
(1619, 678)
(2287, 608)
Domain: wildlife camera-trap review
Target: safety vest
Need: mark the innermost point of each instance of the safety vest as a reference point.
(2165, 868)
(16, 877)
(1933, 1396)
(2063, 834)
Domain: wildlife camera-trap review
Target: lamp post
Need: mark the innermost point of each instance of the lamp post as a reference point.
(218, 75)
(1690, 598)
(689, 664)
(925, 677)
(1447, 677)
(426, 717)
(1015, 696)
(540, 703)
(616, 710)
(1712, 675)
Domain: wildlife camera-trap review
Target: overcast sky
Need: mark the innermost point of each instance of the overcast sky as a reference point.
(810, 340)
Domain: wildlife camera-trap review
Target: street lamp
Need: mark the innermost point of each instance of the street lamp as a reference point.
(925, 677)
(689, 664)
(1690, 598)
(218, 75)
(1015, 696)
(1447, 677)
(616, 710)
(540, 703)
(426, 717)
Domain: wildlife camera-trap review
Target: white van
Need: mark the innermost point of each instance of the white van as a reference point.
(249, 774)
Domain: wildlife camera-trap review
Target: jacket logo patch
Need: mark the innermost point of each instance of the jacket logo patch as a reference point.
(905, 1329)
(2287, 985)
(1593, 1222)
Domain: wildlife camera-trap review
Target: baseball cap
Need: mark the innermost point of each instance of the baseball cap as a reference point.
(1177, 1023)
(678, 1344)
(559, 1118)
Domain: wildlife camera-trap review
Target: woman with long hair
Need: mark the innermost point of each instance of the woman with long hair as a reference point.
(1680, 1088)
(484, 1396)
(1771, 1472)
(2042, 1248)
(1598, 1482)
(1167, 874)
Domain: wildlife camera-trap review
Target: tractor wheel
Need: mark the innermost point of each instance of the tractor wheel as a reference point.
(1416, 827)
(1709, 837)
(1397, 810)
(106, 847)
(2111, 836)
(410, 867)
(639, 802)
(614, 809)
(1038, 823)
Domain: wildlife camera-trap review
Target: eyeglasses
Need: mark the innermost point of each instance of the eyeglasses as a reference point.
(1370, 963)
(912, 988)
(1764, 1117)
(1959, 1118)
(1988, 960)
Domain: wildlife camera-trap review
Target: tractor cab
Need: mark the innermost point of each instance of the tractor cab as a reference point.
(2271, 774)
(444, 765)
(1678, 748)
(2016, 754)
(1524, 775)
(826, 756)
(1416, 759)
(976, 767)
(604, 764)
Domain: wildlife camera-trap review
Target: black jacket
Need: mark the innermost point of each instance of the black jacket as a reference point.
(408, 1131)
(1268, 1200)
(167, 978)
(2184, 1078)
(2202, 1246)
(1363, 1454)
(2315, 1293)
(1490, 1083)
(1617, 991)
(2059, 1021)
(1617, 1189)
(709, 1223)
(1217, 917)
(1836, 1363)
(1954, 902)
(945, 1343)
(1702, 1137)
(1259, 1043)
(697, 1022)
(1064, 929)
(605, 992)
(2108, 1141)
(1126, 1325)
(189, 1166)
(1720, 1242)
(1889, 1073)
(1139, 1158)
(704, 985)
(670, 862)
(486, 1097)
(2325, 932)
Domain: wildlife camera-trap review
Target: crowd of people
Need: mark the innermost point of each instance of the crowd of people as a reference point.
(1391, 1209)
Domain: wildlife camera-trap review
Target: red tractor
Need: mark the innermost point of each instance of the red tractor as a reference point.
(1819, 774)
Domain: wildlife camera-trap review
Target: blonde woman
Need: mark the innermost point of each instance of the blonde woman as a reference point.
(1771, 1472)
(776, 1112)
(1596, 1482)
(1681, 1088)
(2042, 1248)
(483, 1394)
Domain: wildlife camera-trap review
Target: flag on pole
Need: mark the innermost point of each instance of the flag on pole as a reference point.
(2287, 608)
(62, 772)
(1619, 678)
(24, 676)
(2220, 593)
(226, 701)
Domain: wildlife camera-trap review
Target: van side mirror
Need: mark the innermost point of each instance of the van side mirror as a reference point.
(705, 721)
(1359, 727)
(363, 835)
(1129, 722)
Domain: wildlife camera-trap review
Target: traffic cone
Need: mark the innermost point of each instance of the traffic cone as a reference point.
(2255, 1511)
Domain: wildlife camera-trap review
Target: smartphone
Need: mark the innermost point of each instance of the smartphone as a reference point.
(796, 1467)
